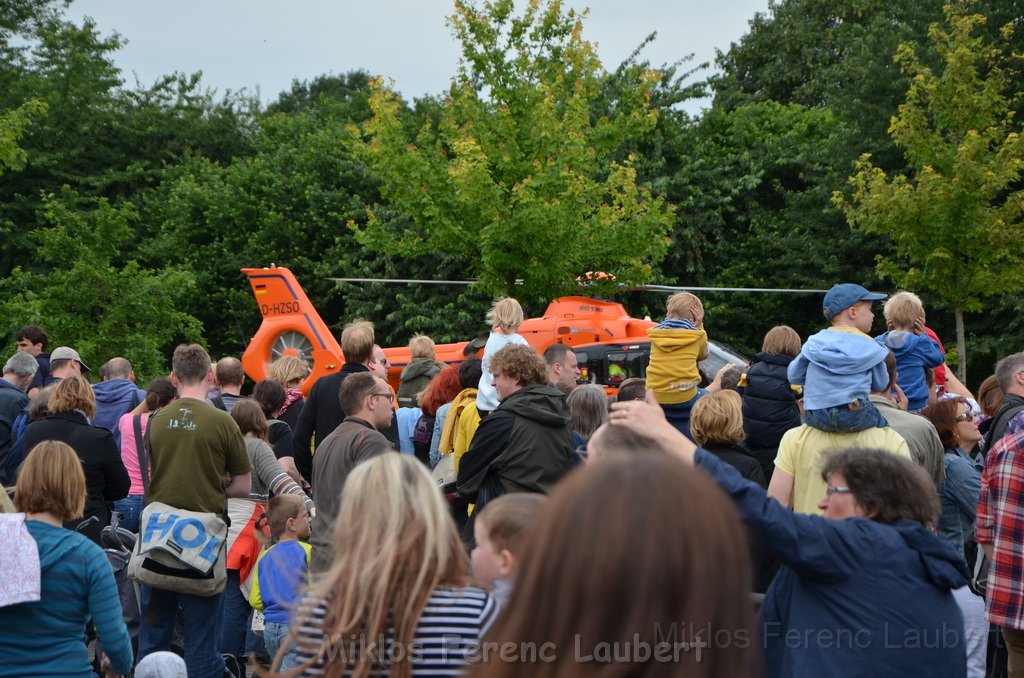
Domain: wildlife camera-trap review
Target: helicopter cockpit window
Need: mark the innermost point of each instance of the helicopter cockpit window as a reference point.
(586, 375)
(621, 365)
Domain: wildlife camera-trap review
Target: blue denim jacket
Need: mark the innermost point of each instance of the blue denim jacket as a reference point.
(958, 495)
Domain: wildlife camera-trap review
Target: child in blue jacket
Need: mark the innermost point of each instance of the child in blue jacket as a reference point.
(915, 351)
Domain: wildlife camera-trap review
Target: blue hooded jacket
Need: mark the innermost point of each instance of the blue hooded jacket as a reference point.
(914, 353)
(853, 597)
(837, 366)
(115, 397)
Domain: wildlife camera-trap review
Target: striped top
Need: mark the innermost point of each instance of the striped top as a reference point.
(446, 638)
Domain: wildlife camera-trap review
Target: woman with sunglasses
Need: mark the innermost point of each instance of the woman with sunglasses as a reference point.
(959, 492)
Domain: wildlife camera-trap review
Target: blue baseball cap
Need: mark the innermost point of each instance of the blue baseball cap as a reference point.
(845, 295)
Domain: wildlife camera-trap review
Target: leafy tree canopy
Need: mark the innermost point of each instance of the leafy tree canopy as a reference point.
(956, 216)
(513, 176)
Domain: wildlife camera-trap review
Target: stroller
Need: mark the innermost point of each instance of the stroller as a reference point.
(117, 544)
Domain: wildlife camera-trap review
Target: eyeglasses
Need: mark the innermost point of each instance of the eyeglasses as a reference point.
(830, 490)
(383, 395)
(966, 416)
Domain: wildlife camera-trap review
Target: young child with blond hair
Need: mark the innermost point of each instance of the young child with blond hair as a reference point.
(915, 351)
(505, 317)
(840, 366)
(678, 344)
(498, 531)
(282, 574)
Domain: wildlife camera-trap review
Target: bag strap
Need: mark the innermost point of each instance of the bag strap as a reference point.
(140, 449)
(218, 402)
(1011, 407)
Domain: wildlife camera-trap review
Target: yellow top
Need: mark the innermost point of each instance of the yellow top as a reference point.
(672, 372)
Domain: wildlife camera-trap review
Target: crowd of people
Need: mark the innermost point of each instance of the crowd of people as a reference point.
(840, 506)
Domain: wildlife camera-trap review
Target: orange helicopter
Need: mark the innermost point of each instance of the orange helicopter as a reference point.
(611, 346)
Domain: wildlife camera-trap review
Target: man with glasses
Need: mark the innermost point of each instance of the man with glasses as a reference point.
(367, 400)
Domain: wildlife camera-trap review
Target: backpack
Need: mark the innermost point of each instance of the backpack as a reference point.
(1012, 405)
(424, 431)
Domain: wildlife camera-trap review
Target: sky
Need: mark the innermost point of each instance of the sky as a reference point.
(264, 44)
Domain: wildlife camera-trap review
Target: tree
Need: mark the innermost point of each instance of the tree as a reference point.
(514, 176)
(12, 127)
(956, 220)
(87, 295)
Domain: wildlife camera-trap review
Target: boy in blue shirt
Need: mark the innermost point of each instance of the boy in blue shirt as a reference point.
(915, 351)
(282, 574)
(840, 366)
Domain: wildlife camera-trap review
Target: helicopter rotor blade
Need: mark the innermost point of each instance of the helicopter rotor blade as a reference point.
(625, 288)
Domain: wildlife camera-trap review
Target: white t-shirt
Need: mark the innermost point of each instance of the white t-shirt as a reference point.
(487, 396)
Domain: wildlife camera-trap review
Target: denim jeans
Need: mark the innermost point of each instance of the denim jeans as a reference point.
(235, 636)
(274, 635)
(130, 509)
(202, 622)
(859, 415)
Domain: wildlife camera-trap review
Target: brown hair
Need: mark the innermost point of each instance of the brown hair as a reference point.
(614, 440)
(280, 509)
(73, 393)
(678, 305)
(357, 341)
(717, 419)
(250, 418)
(354, 389)
(229, 371)
(886, 486)
(520, 363)
(506, 518)
(633, 388)
(159, 393)
(695, 574)
(781, 340)
(190, 364)
(270, 396)
(51, 479)
(588, 409)
(942, 415)
(990, 395)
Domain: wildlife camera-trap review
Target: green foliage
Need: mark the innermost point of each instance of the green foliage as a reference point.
(87, 296)
(752, 190)
(956, 221)
(12, 127)
(513, 177)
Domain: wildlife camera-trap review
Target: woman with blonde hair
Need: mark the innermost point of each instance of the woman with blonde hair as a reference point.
(72, 405)
(290, 372)
(395, 601)
(717, 426)
(44, 635)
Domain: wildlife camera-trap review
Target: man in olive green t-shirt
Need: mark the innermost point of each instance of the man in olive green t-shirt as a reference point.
(197, 460)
